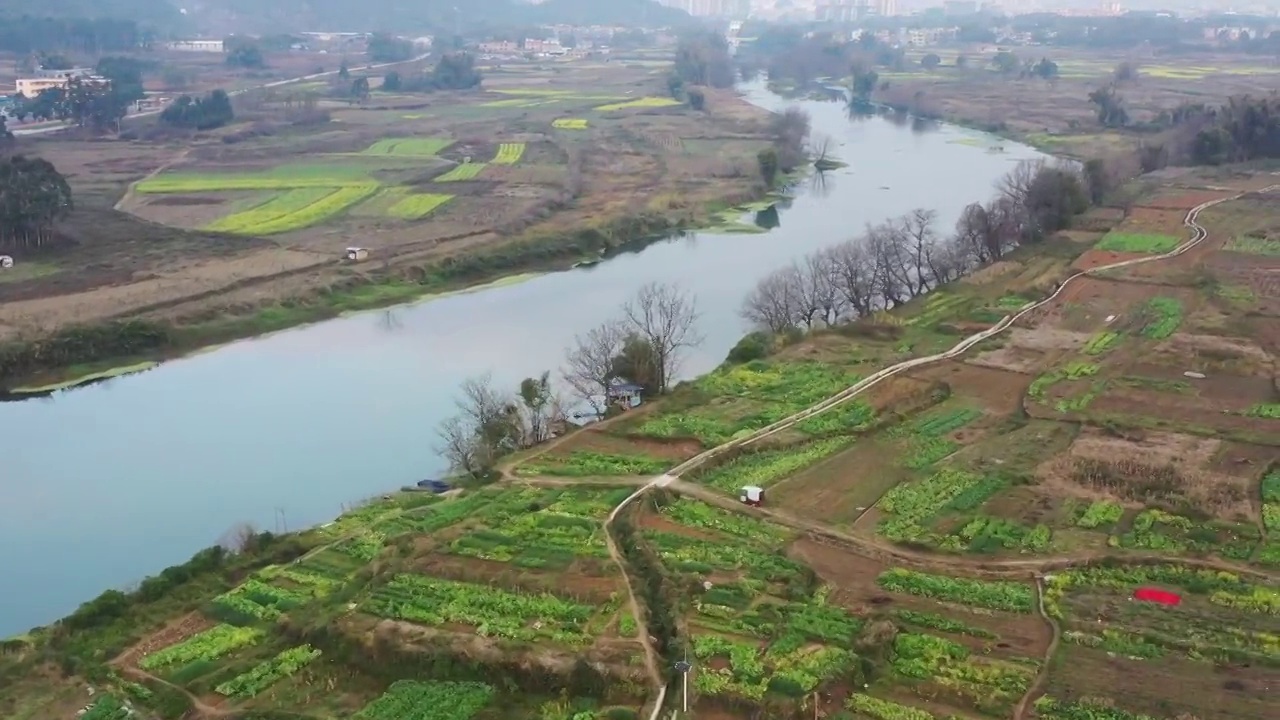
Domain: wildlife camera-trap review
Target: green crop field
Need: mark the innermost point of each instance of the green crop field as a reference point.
(569, 124)
(465, 171)
(1254, 246)
(409, 147)
(1138, 243)
(590, 464)
(294, 210)
(208, 645)
(509, 154)
(416, 700)
(645, 102)
(764, 392)
(266, 674)
(764, 468)
(419, 205)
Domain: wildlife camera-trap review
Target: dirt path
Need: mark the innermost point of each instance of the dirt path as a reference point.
(203, 708)
(889, 553)
(650, 655)
(129, 193)
(1020, 712)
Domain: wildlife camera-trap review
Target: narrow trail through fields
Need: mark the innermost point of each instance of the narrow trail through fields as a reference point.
(1020, 712)
(132, 189)
(202, 707)
(670, 478)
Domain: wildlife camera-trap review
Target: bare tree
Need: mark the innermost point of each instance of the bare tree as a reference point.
(853, 270)
(460, 447)
(589, 363)
(918, 238)
(487, 426)
(772, 304)
(537, 403)
(239, 538)
(819, 299)
(664, 316)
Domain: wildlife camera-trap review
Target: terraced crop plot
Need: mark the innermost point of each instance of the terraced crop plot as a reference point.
(640, 103)
(208, 645)
(415, 700)
(269, 673)
(1138, 243)
(417, 206)
(760, 393)
(509, 153)
(988, 594)
(771, 628)
(1255, 246)
(767, 467)
(295, 209)
(593, 464)
(257, 601)
(465, 171)
(409, 147)
(504, 614)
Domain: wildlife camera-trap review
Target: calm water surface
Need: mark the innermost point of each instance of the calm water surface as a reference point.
(104, 485)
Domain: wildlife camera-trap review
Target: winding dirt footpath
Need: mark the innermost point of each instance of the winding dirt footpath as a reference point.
(201, 707)
(1020, 712)
(1198, 235)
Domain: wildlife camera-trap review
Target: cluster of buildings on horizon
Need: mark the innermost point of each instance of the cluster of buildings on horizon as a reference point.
(852, 10)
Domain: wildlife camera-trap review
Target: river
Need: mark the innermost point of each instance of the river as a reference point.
(103, 485)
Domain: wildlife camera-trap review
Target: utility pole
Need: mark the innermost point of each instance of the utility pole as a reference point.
(683, 668)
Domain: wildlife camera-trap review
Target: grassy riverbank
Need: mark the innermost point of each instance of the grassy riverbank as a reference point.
(93, 353)
(242, 233)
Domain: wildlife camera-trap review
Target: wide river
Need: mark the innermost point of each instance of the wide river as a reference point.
(104, 485)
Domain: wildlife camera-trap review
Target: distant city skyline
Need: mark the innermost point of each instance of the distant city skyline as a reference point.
(849, 10)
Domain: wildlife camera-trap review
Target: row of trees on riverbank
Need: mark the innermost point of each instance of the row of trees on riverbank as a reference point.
(891, 263)
(905, 257)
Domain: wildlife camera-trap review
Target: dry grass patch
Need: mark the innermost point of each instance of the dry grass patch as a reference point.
(1158, 468)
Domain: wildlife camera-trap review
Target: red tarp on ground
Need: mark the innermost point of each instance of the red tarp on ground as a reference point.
(1156, 595)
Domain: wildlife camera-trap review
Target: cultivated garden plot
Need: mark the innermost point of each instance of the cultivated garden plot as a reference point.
(761, 622)
(737, 400)
(1213, 653)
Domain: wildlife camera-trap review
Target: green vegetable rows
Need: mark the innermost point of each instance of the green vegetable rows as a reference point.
(208, 645)
(414, 700)
(266, 674)
(990, 594)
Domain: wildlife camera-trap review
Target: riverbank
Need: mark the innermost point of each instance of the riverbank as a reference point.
(155, 281)
(66, 360)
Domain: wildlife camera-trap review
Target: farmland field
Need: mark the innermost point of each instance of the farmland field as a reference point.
(1138, 243)
(509, 153)
(294, 210)
(408, 147)
(569, 124)
(646, 102)
(413, 207)
(465, 171)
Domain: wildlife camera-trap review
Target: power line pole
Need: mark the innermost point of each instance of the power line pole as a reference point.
(683, 668)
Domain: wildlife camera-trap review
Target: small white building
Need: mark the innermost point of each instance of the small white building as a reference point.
(31, 87)
(209, 46)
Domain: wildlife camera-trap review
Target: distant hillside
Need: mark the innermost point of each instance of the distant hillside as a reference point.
(160, 14)
(418, 16)
(633, 13)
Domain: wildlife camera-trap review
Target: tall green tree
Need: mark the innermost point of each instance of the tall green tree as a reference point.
(33, 197)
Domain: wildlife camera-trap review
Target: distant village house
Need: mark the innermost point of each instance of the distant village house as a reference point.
(209, 46)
